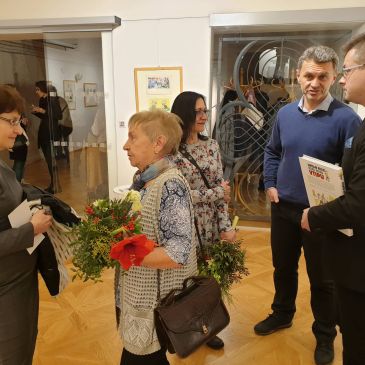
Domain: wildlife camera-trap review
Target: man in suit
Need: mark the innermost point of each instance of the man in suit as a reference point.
(319, 126)
(346, 255)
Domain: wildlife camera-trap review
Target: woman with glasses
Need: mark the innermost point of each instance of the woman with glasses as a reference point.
(18, 269)
(199, 160)
(19, 151)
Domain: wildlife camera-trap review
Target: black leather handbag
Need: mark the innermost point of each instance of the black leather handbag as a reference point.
(187, 318)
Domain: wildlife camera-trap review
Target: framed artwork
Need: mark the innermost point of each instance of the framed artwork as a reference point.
(69, 93)
(157, 87)
(90, 94)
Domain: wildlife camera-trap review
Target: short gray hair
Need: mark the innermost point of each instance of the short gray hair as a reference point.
(158, 122)
(319, 54)
(358, 45)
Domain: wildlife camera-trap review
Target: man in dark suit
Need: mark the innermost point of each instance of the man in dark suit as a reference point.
(346, 255)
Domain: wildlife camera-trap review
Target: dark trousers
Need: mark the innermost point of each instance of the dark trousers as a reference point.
(156, 358)
(63, 151)
(287, 240)
(352, 324)
(46, 147)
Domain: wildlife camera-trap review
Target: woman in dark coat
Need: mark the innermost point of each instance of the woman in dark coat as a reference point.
(18, 270)
(49, 112)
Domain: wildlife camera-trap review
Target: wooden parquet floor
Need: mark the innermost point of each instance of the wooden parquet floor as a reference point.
(78, 327)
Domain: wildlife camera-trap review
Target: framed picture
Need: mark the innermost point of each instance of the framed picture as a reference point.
(90, 94)
(69, 93)
(157, 87)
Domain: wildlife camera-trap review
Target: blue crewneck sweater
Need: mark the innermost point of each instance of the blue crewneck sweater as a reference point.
(321, 134)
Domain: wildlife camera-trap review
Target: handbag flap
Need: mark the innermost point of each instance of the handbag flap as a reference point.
(192, 308)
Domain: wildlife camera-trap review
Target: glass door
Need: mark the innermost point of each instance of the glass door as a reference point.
(253, 77)
(60, 76)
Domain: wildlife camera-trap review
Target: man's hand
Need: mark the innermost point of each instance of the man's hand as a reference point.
(305, 222)
(273, 195)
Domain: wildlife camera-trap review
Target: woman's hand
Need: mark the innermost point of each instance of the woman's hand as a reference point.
(41, 222)
(37, 109)
(227, 191)
(229, 236)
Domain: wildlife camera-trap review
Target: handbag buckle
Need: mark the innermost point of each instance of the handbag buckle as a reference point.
(205, 329)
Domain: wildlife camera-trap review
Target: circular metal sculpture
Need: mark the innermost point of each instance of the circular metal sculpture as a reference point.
(264, 79)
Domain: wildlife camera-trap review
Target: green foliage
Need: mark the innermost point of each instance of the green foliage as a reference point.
(225, 261)
(105, 222)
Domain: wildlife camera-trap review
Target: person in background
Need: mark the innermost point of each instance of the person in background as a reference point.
(64, 127)
(346, 255)
(318, 126)
(49, 112)
(18, 269)
(210, 202)
(96, 156)
(167, 218)
(18, 153)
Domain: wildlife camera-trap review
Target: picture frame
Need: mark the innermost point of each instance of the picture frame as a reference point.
(69, 93)
(90, 94)
(157, 87)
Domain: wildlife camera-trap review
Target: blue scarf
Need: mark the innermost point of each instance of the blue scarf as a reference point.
(151, 172)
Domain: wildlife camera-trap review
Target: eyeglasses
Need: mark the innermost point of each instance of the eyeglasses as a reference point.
(346, 71)
(201, 112)
(12, 122)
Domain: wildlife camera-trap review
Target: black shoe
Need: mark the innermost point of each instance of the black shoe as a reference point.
(271, 324)
(324, 354)
(215, 343)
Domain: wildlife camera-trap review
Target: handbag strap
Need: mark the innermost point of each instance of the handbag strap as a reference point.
(188, 156)
(191, 159)
(199, 237)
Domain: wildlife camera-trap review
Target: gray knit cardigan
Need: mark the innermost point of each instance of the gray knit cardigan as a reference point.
(138, 286)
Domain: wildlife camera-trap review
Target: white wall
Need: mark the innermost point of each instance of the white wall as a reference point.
(154, 9)
(152, 43)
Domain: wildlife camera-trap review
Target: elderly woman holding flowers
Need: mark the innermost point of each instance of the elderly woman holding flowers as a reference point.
(167, 219)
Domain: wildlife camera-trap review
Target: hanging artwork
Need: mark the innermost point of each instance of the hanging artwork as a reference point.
(90, 94)
(157, 87)
(69, 93)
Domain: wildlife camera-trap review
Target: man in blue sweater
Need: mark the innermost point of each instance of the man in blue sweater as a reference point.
(318, 126)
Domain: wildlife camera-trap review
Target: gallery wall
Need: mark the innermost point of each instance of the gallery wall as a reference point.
(152, 34)
(154, 43)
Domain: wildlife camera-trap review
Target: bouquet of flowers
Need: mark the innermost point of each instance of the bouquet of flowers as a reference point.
(109, 235)
(225, 261)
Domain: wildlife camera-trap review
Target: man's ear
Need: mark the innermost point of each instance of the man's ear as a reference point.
(298, 73)
(334, 80)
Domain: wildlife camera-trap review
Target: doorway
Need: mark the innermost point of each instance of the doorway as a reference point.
(72, 66)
